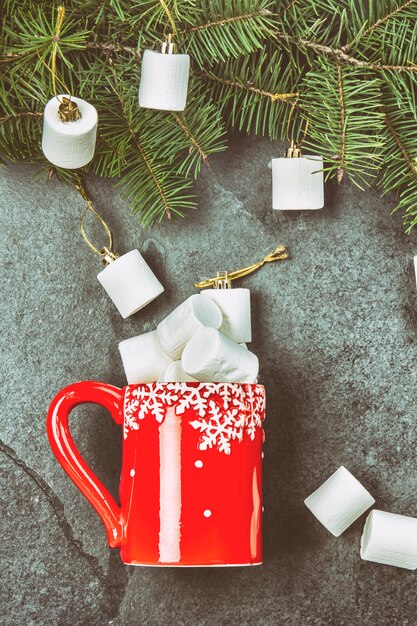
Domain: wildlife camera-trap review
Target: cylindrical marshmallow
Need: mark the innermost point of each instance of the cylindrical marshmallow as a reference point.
(190, 316)
(130, 283)
(235, 307)
(210, 356)
(390, 539)
(415, 267)
(174, 373)
(69, 144)
(339, 501)
(164, 81)
(143, 359)
(297, 183)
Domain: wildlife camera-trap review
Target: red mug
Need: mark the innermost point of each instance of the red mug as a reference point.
(191, 480)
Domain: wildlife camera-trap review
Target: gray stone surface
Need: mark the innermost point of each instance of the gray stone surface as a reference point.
(335, 328)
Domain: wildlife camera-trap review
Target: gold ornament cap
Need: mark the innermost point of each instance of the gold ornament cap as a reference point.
(68, 110)
(293, 152)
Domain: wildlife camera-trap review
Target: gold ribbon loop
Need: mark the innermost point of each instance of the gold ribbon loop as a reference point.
(279, 254)
(170, 18)
(55, 40)
(106, 252)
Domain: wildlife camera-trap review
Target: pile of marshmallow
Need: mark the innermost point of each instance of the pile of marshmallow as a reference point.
(387, 538)
(203, 339)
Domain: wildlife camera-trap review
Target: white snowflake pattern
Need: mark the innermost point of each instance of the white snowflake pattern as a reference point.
(220, 429)
(226, 411)
(256, 409)
(191, 397)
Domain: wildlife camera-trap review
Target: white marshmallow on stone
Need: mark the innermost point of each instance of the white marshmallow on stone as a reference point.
(69, 144)
(235, 307)
(210, 356)
(174, 373)
(143, 359)
(164, 81)
(339, 501)
(130, 283)
(190, 316)
(390, 539)
(297, 183)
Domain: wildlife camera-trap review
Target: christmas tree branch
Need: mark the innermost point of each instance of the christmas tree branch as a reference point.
(110, 48)
(15, 116)
(182, 124)
(341, 55)
(411, 166)
(145, 160)
(249, 87)
(386, 17)
(342, 158)
(226, 20)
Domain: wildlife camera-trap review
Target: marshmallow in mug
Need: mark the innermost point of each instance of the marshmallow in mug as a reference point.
(390, 539)
(174, 373)
(143, 359)
(210, 356)
(190, 316)
(339, 501)
(69, 144)
(130, 283)
(235, 307)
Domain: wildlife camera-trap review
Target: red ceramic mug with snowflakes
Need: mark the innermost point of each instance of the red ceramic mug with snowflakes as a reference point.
(191, 480)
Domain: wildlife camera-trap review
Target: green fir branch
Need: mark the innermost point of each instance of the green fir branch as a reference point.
(346, 134)
(348, 68)
(400, 148)
(255, 93)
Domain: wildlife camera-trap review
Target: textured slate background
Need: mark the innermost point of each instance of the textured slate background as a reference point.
(335, 329)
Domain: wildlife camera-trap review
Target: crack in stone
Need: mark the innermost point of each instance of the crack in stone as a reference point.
(58, 509)
(111, 582)
(239, 207)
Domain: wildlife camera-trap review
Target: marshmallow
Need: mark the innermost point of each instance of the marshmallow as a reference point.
(297, 183)
(174, 373)
(143, 359)
(235, 307)
(415, 267)
(339, 501)
(130, 283)
(390, 539)
(69, 144)
(210, 356)
(164, 81)
(179, 326)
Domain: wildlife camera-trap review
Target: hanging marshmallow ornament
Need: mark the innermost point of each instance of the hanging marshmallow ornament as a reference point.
(164, 78)
(234, 304)
(127, 279)
(297, 181)
(69, 131)
(69, 123)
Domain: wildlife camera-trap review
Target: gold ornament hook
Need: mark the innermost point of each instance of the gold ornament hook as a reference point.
(68, 110)
(168, 45)
(294, 151)
(106, 253)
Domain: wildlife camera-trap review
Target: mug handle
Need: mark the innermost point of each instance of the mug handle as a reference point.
(65, 450)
